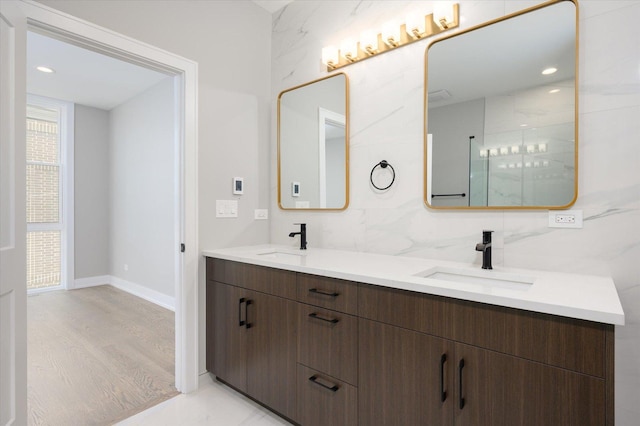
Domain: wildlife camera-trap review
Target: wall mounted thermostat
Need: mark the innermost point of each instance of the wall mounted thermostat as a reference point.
(295, 189)
(238, 186)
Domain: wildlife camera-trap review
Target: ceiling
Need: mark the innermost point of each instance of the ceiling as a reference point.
(83, 76)
(89, 78)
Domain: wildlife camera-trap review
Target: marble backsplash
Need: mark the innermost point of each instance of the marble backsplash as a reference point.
(386, 106)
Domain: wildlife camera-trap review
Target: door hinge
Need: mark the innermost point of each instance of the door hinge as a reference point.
(182, 248)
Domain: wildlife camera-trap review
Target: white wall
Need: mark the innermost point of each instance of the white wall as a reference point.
(91, 198)
(142, 193)
(231, 42)
(387, 123)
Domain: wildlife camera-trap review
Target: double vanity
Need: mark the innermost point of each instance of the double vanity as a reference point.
(330, 337)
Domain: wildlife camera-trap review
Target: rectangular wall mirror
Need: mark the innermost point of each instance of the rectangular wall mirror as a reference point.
(313, 145)
(501, 113)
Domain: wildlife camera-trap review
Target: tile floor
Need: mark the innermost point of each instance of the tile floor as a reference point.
(213, 404)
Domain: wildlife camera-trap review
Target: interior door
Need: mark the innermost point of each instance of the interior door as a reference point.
(13, 293)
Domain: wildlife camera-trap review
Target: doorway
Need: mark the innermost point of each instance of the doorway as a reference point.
(43, 20)
(125, 140)
(16, 18)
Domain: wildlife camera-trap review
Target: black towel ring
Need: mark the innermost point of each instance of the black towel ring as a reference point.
(384, 165)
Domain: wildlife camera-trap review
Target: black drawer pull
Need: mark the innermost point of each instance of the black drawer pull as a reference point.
(246, 313)
(240, 320)
(323, 293)
(318, 317)
(460, 367)
(443, 393)
(315, 380)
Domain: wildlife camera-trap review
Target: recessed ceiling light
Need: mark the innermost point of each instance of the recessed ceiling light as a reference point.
(554, 90)
(548, 71)
(523, 125)
(45, 69)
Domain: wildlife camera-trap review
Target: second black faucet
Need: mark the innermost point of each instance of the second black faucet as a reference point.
(303, 235)
(485, 248)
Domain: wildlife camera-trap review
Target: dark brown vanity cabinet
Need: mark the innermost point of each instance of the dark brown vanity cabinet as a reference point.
(251, 336)
(442, 361)
(324, 351)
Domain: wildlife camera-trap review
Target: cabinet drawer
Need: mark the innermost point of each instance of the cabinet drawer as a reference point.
(330, 293)
(324, 400)
(563, 342)
(406, 309)
(272, 281)
(328, 342)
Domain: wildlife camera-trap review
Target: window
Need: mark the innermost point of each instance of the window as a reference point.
(48, 142)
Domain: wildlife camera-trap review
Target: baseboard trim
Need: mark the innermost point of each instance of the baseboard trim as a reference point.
(152, 296)
(92, 281)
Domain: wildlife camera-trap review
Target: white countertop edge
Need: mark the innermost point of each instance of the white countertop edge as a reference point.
(613, 314)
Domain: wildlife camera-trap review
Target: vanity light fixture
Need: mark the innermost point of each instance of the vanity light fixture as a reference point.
(515, 149)
(446, 15)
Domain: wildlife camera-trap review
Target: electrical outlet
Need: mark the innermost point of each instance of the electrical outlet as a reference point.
(565, 219)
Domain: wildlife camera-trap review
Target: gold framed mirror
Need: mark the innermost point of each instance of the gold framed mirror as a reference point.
(313, 145)
(501, 113)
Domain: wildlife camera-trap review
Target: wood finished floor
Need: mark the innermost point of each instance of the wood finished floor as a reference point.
(96, 356)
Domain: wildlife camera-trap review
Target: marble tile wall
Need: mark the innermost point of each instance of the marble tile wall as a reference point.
(386, 123)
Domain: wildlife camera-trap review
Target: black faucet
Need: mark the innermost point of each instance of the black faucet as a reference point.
(303, 235)
(485, 248)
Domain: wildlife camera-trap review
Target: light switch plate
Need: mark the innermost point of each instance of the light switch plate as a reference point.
(565, 219)
(261, 214)
(226, 208)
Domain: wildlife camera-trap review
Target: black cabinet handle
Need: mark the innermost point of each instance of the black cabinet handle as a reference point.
(443, 393)
(318, 317)
(460, 367)
(315, 380)
(240, 321)
(323, 293)
(246, 313)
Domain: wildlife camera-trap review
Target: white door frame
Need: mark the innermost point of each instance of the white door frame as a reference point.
(85, 34)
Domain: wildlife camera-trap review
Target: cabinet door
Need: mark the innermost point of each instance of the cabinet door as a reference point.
(271, 351)
(403, 377)
(497, 389)
(229, 337)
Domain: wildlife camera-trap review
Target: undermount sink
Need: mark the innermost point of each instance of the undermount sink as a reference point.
(281, 255)
(480, 277)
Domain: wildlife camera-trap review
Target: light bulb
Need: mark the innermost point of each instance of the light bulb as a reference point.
(391, 33)
(443, 14)
(369, 42)
(349, 50)
(415, 25)
(330, 56)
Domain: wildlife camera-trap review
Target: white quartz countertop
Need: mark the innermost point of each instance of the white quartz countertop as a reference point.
(587, 297)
